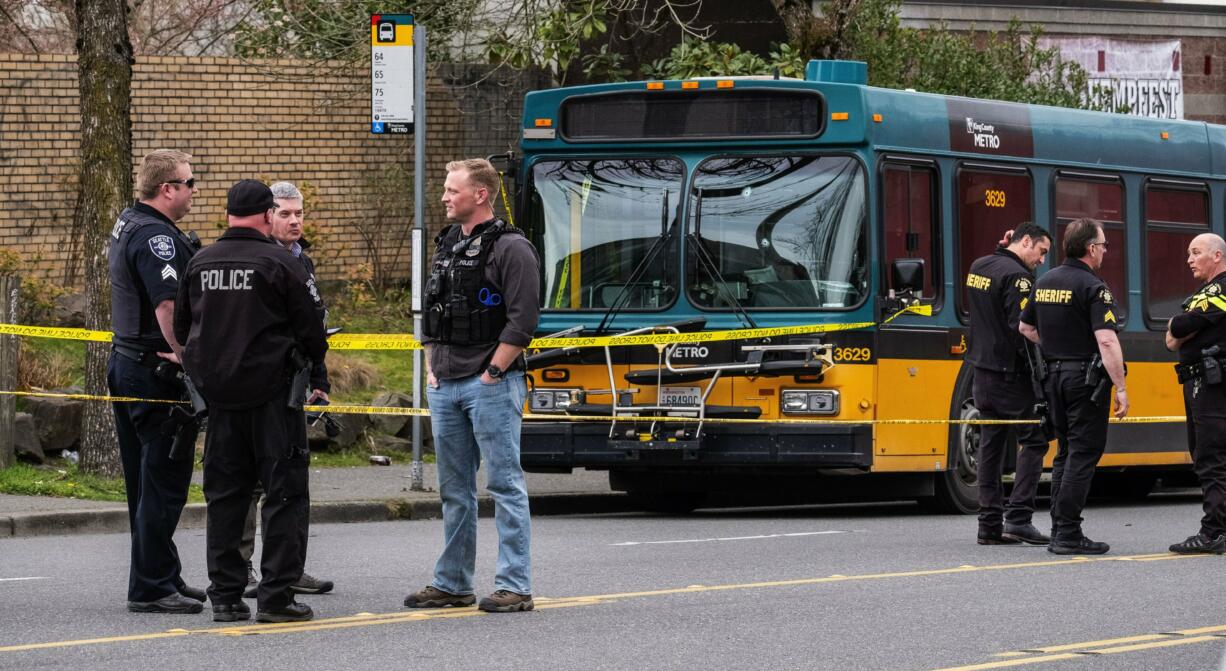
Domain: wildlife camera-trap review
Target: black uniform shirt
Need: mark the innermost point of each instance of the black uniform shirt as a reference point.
(245, 303)
(998, 286)
(319, 369)
(144, 272)
(513, 267)
(1068, 305)
(1204, 314)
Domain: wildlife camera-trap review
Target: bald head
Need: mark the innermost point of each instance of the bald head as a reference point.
(1207, 256)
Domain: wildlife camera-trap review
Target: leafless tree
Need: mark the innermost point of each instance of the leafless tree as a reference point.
(104, 60)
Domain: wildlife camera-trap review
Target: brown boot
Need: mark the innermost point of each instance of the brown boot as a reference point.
(503, 601)
(433, 597)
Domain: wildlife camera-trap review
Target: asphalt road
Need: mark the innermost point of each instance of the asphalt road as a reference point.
(831, 587)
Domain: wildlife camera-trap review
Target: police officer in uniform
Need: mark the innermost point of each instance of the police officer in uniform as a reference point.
(998, 287)
(246, 314)
(1199, 334)
(1071, 315)
(147, 256)
(287, 220)
(482, 308)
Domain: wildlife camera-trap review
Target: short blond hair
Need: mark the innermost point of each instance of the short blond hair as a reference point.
(481, 174)
(157, 168)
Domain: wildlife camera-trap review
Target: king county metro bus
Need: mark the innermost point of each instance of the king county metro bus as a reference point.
(753, 203)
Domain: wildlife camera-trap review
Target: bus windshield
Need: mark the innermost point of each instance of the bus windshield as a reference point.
(596, 221)
(778, 232)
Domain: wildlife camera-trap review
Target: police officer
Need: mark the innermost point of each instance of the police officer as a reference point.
(287, 220)
(246, 315)
(1071, 315)
(1199, 334)
(998, 287)
(147, 256)
(482, 308)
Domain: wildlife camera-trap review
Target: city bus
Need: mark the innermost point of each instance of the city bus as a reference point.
(754, 204)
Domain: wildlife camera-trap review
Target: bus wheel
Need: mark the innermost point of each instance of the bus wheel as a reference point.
(652, 493)
(956, 490)
(670, 503)
(1123, 486)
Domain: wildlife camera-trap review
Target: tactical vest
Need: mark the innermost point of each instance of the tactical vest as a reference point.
(461, 307)
(132, 319)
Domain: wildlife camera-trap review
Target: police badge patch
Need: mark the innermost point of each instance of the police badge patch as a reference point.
(1023, 284)
(1105, 296)
(1213, 289)
(162, 246)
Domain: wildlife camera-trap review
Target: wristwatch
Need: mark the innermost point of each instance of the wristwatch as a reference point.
(495, 372)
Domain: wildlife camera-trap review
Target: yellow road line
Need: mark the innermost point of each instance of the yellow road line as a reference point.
(1006, 663)
(1151, 646)
(1097, 644)
(369, 619)
(1108, 646)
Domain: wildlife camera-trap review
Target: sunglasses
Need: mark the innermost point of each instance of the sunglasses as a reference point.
(189, 182)
(1101, 244)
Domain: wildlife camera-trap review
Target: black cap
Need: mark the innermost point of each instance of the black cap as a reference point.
(248, 197)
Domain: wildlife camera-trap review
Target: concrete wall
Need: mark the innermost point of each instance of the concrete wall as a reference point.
(1200, 28)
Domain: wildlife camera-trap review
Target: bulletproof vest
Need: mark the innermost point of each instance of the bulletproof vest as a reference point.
(462, 308)
(132, 318)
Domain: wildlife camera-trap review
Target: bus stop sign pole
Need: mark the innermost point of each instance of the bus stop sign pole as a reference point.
(418, 239)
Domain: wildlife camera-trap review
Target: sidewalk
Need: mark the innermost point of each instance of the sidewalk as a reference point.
(362, 494)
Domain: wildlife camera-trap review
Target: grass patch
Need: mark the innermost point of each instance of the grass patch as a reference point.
(66, 481)
(393, 370)
(359, 456)
(47, 363)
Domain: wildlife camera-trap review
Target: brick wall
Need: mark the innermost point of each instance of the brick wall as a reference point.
(274, 120)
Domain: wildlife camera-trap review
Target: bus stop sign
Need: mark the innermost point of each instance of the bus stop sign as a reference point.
(391, 73)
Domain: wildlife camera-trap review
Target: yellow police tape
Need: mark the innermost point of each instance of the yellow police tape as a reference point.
(55, 332)
(406, 341)
(423, 412)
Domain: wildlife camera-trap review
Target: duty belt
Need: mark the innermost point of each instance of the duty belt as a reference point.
(145, 357)
(1191, 372)
(1075, 365)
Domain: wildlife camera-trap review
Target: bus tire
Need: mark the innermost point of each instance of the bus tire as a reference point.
(1123, 486)
(669, 503)
(956, 490)
(651, 492)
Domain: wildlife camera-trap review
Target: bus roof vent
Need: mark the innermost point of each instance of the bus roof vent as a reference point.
(837, 72)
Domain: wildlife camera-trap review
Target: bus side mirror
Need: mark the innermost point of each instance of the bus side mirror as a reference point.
(907, 275)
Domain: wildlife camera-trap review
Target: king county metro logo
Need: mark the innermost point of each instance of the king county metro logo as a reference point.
(162, 246)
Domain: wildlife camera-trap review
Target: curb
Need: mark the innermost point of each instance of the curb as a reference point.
(115, 520)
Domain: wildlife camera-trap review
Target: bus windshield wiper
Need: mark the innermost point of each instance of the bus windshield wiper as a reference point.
(623, 296)
(695, 241)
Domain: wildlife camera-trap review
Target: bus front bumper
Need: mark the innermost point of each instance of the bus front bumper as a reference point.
(561, 446)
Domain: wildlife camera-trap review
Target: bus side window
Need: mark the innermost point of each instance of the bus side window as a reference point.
(1101, 199)
(909, 219)
(989, 203)
(1173, 216)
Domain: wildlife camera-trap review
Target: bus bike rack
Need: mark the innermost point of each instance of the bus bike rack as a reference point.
(821, 354)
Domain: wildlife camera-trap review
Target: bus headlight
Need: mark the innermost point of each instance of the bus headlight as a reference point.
(553, 400)
(809, 402)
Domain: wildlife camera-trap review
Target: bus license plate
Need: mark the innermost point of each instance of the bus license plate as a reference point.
(691, 396)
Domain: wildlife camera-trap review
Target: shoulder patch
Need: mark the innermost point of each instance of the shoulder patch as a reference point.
(1105, 296)
(1213, 289)
(1023, 284)
(162, 246)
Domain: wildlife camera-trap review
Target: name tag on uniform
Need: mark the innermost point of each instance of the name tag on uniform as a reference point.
(236, 279)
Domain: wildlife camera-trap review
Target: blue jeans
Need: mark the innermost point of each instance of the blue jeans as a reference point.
(472, 421)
